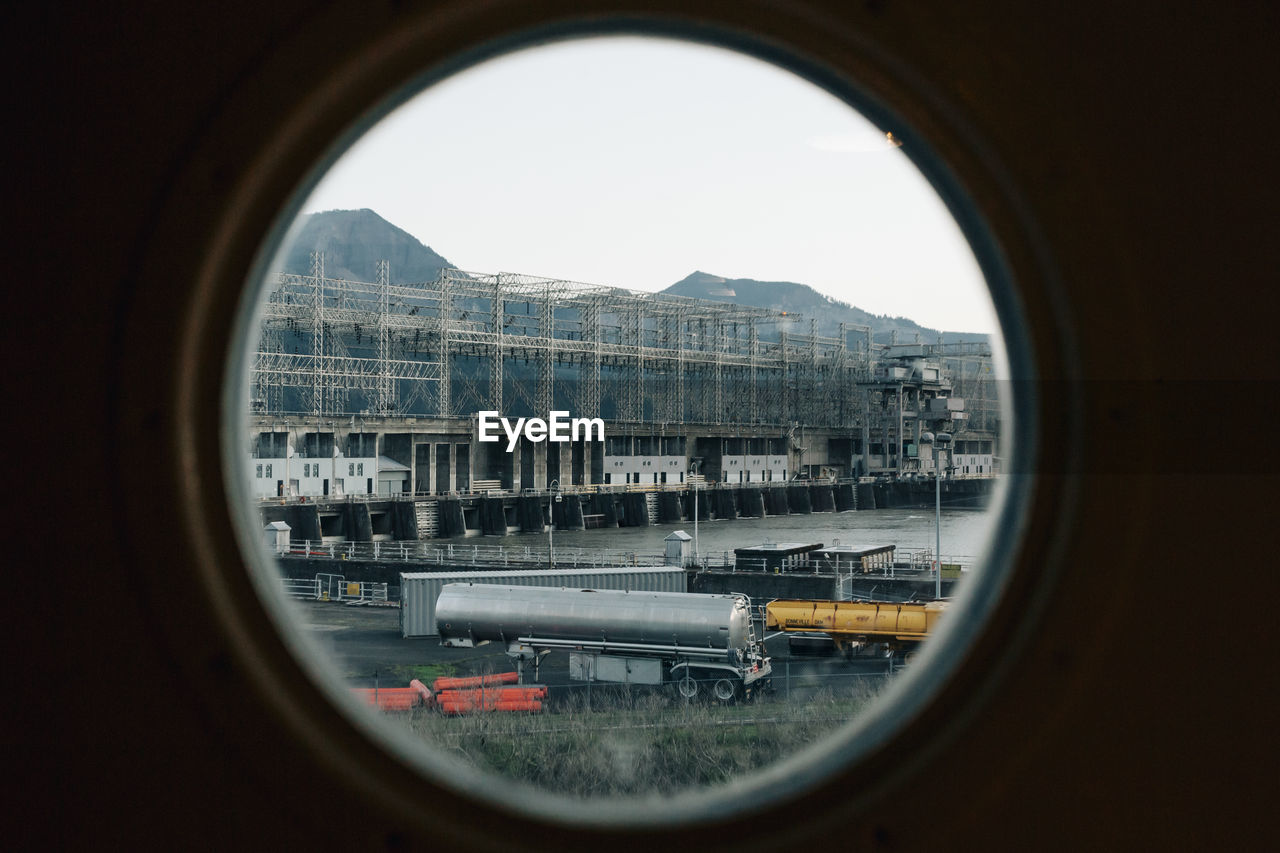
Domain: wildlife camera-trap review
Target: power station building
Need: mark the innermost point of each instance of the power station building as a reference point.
(373, 388)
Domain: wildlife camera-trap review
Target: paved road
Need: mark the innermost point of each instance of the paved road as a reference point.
(365, 647)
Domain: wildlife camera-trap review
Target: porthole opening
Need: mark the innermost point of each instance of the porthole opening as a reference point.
(645, 322)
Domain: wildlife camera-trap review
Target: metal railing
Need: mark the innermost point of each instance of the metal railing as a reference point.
(917, 565)
(527, 556)
(301, 587)
(345, 497)
(453, 553)
(922, 561)
(331, 587)
(610, 488)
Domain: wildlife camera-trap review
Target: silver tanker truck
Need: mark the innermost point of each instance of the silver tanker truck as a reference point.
(694, 642)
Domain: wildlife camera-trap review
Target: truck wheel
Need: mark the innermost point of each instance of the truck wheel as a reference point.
(725, 690)
(687, 687)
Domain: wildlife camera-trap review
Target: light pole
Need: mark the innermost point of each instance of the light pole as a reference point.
(693, 472)
(939, 442)
(287, 435)
(551, 511)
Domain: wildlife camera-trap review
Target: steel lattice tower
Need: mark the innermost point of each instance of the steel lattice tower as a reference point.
(507, 341)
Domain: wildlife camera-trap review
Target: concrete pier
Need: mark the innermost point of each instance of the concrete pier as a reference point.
(497, 514)
(304, 522)
(776, 502)
(605, 508)
(635, 513)
(452, 520)
(798, 499)
(404, 521)
(669, 509)
(529, 514)
(724, 506)
(821, 498)
(358, 525)
(921, 493)
(493, 518)
(704, 505)
(567, 513)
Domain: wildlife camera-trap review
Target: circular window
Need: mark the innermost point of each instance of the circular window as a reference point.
(627, 420)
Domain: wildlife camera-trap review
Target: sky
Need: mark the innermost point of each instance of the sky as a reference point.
(633, 162)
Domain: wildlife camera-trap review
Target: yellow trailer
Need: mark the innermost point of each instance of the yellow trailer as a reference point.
(854, 622)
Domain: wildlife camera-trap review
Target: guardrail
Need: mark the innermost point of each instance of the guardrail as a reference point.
(301, 587)
(359, 497)
(453, 554)
(331, 587)
(921, 563)
(611, 488)
(481, 555)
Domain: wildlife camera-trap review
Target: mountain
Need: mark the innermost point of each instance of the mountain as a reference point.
(804, 300)
(353, 241)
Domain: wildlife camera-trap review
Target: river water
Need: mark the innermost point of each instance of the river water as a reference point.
(964, 533)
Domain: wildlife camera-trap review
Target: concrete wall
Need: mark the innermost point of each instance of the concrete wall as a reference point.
(643, 468)
(973, 464)
(922, 493)
(414, 442)
(753, 469)
(310, 473)
(392, 482)
(355, 474)
(265, 476)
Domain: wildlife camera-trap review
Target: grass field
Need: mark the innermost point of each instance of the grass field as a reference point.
(627, 742)
(636, 743)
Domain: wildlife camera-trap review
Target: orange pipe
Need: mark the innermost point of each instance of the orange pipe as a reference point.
(390, 698)
(496, 692)
(427, 699)
(474, 681)
(463, 707)
(487, 699)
